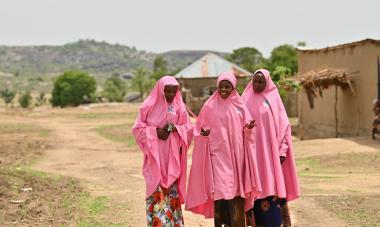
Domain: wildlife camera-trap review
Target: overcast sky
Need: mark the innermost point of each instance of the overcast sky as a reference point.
(162, 25)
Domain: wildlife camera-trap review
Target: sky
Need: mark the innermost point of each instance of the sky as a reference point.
(163, 25)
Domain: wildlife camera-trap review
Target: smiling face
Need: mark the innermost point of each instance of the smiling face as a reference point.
(170, 92)
(259, 83)
(225, 88)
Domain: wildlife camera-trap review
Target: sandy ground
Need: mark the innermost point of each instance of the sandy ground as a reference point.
(114, 169)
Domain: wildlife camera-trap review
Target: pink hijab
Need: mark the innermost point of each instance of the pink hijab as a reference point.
(285, 174)
(229, 142)
(164, 161)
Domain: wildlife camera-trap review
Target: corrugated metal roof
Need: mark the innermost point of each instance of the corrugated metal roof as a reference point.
(211, 65)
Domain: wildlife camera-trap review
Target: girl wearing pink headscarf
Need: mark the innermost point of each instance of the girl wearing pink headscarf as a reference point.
(274, 150)
(223, 177)
(163, 132)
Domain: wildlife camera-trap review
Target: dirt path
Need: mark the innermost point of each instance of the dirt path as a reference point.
(112, 169)
(106, 167)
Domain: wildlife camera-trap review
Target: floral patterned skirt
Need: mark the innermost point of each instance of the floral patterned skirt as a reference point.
(163, 208)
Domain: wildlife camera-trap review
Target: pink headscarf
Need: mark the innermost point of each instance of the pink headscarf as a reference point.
(226, 119)
(285, 173)
(173, 151)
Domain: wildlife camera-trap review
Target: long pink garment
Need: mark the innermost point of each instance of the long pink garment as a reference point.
(223, 163)
(273, 138)
(164, 160)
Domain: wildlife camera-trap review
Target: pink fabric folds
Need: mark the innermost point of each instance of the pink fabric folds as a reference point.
(223, 163)
(273, 138)
(164, 161)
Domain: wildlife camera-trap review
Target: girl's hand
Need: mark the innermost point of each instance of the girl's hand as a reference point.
(162, 133)
(251, 124)
(205, 132)
(169, 127)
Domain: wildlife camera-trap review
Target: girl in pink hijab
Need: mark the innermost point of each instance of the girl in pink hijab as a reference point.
(274, 150)
(223, 177)
(163, 132)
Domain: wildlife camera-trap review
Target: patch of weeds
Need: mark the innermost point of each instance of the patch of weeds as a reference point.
(118, 133)
(33, 198)
(96, 211)
(106, 115)
(357, 210)
(17, 128)
(341, 163)
(319, 176)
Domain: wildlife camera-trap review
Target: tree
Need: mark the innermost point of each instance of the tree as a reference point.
(160, 68)
(41, 99)
(141, 82)
(114, 89)
(281, 72)
(282, 76)
(248, 58)
(73, 88)
(283, 55)
(7, 95)
(301, 44)
(25, 99)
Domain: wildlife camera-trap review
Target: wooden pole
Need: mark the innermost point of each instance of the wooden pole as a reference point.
(378, 78)
(336, 111)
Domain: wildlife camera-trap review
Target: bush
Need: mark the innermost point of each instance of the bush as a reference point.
(114, 89)
(73, 88)
(41, 99)
(25, 100)
(7, 95)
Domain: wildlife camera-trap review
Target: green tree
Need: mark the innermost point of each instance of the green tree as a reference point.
(25, 100)
(41, 99)
(7, 95)
(248, 58)
(141, 81)
(283, 55)
(73, 88)
(301, 44)
(160, 68)
(114, 89)
(282, 76)
(281, 72)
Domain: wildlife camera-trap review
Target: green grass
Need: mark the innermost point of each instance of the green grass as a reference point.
(96, 211)
(340, 163)
(97, 205)
(118, 133)
(318, 176)
(17, 128)
(106, 115)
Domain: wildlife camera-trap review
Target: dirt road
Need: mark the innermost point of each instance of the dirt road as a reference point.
(114, 169)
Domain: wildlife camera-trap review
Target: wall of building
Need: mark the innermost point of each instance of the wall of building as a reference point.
(354, 111)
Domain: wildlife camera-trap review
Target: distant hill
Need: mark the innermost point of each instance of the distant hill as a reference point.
(88, 55)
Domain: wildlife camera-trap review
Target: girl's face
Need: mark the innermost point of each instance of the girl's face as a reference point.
(170, 92)
(258, 82)
(225, 88)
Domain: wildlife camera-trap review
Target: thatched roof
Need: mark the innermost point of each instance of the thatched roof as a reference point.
(315, 81)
